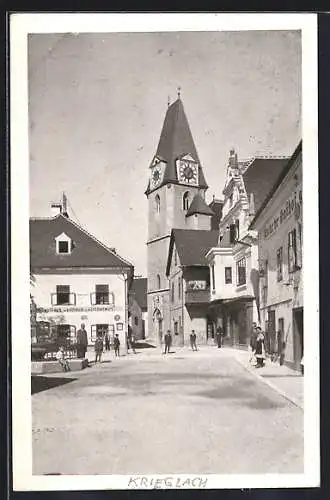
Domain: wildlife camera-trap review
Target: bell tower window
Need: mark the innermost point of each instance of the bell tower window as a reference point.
(157, 203)
(185, 201)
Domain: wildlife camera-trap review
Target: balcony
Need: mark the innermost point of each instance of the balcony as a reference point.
(197, 296)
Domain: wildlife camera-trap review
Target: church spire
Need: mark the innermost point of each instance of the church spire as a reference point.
(175, 142)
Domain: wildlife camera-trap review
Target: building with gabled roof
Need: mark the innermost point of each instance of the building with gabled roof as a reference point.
(234, 260)
(78, 280)
(189, 282)
(279, 225)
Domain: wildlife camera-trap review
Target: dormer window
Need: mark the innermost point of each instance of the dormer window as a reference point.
(63, 247)
(63, 244)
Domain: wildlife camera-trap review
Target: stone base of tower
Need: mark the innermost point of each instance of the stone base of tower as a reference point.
(158, 315)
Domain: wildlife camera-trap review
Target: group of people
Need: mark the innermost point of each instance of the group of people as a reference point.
(99, 346)
(168, 341)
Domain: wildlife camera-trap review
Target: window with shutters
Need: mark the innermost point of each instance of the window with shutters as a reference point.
(241, 271)
(279, 264)
(292, 251)
(63, 296)
(102, 296)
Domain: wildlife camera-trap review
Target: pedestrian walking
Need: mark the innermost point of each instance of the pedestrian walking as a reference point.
(62, 359)
(219, 335)
(82, 342)
(107, 341)
(168, 341)
(253, 342)
(116, 344)
(98, 348)
(193, 340)
(260, 348)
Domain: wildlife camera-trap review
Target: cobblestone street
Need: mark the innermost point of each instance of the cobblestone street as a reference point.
(197, 412)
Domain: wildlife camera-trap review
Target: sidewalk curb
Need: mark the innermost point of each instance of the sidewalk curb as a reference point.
(270, 384)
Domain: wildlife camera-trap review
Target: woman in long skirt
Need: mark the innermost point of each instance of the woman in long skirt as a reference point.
(260, 348)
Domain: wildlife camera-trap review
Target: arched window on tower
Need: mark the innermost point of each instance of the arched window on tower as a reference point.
(157, 203)
(185, 201)
(158, 282)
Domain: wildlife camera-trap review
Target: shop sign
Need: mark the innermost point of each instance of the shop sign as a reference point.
(290, 207)
(75, 309)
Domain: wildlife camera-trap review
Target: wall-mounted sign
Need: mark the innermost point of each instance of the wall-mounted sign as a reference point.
(284, 213)
(157, 301)
(117, 317)
(120, 326)
(74, 309)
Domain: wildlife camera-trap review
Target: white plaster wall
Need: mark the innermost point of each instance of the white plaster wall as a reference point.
(82, 285)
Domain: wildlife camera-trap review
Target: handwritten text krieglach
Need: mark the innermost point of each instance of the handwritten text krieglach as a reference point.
(148, 482)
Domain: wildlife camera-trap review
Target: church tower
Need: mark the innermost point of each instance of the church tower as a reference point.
(175, 177)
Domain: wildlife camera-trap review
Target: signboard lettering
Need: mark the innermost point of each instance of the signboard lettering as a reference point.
(75, 309)
(285, 212)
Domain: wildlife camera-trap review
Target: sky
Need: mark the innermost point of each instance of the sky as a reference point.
(97, 103)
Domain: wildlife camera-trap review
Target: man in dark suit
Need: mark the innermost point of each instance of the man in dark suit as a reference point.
(168, 341)
(82, 342)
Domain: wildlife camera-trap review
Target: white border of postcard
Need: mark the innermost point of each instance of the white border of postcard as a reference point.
(20, 26)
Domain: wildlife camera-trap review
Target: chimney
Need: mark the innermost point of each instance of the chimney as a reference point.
(64, 205)
(232, 158)
(113, 250)
(56, 209)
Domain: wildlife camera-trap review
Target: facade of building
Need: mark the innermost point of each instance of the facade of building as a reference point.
(138, 308)
(189, 282)
(234, 261)
(175, 177)
(279, 226)
(77, 280)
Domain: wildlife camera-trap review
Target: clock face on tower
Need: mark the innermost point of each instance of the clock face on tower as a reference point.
(187, 171)
(157, 172)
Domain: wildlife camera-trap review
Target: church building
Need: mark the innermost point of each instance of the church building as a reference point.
(176, 201)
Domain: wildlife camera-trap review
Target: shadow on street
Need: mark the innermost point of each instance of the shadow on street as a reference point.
(39, 383)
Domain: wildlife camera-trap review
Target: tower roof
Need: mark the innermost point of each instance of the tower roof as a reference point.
(176, 141)
(199, 206)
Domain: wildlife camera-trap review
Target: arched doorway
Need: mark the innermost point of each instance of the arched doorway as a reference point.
(158, 325)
